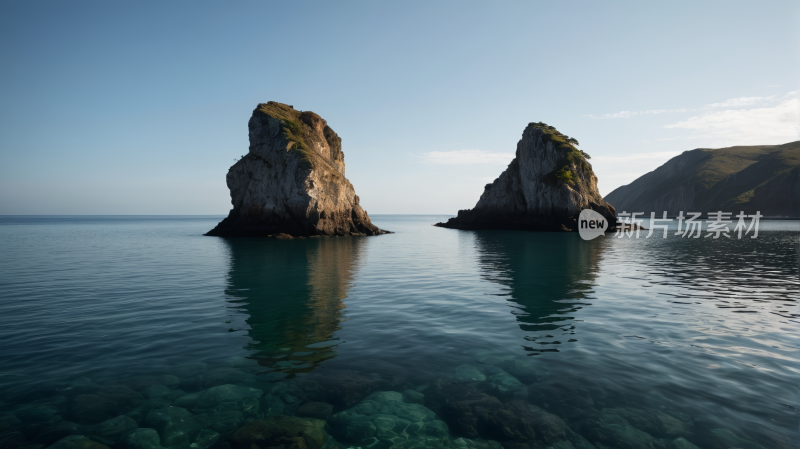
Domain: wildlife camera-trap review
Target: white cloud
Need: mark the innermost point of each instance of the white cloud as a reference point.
(628, 114)
(730, 103)
(766, 125)
(460, 157)
(744, 121)
(621, 114)
(738, 102)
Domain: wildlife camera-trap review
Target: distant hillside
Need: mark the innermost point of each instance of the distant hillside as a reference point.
(764, 178)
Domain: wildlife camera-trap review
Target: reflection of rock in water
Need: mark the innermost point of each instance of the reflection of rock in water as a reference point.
(547, 275)
(292, 292)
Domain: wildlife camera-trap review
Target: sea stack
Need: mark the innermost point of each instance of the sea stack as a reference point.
(544, 188)
(291, 182)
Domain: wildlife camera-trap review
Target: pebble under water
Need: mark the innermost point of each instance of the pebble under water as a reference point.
(140, 333)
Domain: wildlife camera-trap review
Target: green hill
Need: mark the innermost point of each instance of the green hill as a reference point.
(763, 178)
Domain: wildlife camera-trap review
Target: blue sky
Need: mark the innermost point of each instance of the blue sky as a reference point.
(141, 107)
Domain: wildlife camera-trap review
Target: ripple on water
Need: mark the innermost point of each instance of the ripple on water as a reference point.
(134, 332)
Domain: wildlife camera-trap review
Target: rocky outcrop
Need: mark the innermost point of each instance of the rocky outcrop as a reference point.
(292, 181)
(751, 179)
(544, 188)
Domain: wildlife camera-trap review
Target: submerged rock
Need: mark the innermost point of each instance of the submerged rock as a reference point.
(176, 426)
(504, 383)
(287, 432)
(544, 188)
(222, 422)
(110, 431)
(81, 385)
(385, 420)
(614, 430)
(316, 410)
(561, 445)
(471, 413)
(40, 414)
(469, 372)
(8, 422)
(549, 427)
(652, 421)
(680, 443)
(578, 441)
(527, 372)
(12, 439)
(187, 401)
(462, 406)
(413, 397)
(517, 422)
(292, 180)
(188, 370)
(60, 430)
(155, 403)
(724, 439)
(156, 391)
(107, 403)
(466, 443)
(77, 442)
(226, 393)
(340, 388)
(563, 400)
(140, 439)
(205, 439)
(274, 405)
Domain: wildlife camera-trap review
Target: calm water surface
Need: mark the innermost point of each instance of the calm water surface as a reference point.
(488, 338)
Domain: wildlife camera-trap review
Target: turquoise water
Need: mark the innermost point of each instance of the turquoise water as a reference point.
(487, 338)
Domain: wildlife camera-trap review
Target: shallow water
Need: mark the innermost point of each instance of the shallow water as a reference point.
(625, 342)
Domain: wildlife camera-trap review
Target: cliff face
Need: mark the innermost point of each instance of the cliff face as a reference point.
(292, 180)
(734, 179)
(544, 188)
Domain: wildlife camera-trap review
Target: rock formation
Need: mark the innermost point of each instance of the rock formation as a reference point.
(292, 180)
(544, 188)
(764, 178)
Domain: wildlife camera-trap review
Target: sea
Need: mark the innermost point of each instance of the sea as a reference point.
(124, 328)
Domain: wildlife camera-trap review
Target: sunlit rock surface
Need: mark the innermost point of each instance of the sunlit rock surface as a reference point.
(544, 188)
(292, 181)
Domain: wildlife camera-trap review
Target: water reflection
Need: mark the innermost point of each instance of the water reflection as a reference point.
(548, 276)
(290, 293)
(746, 275)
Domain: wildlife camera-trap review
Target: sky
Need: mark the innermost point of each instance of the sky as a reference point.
(141, 107)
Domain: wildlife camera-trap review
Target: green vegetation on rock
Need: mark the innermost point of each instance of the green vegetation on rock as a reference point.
(571, 157)
(565, 174)
(292, 129)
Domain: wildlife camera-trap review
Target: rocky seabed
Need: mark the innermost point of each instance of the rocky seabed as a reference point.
(493, 403)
